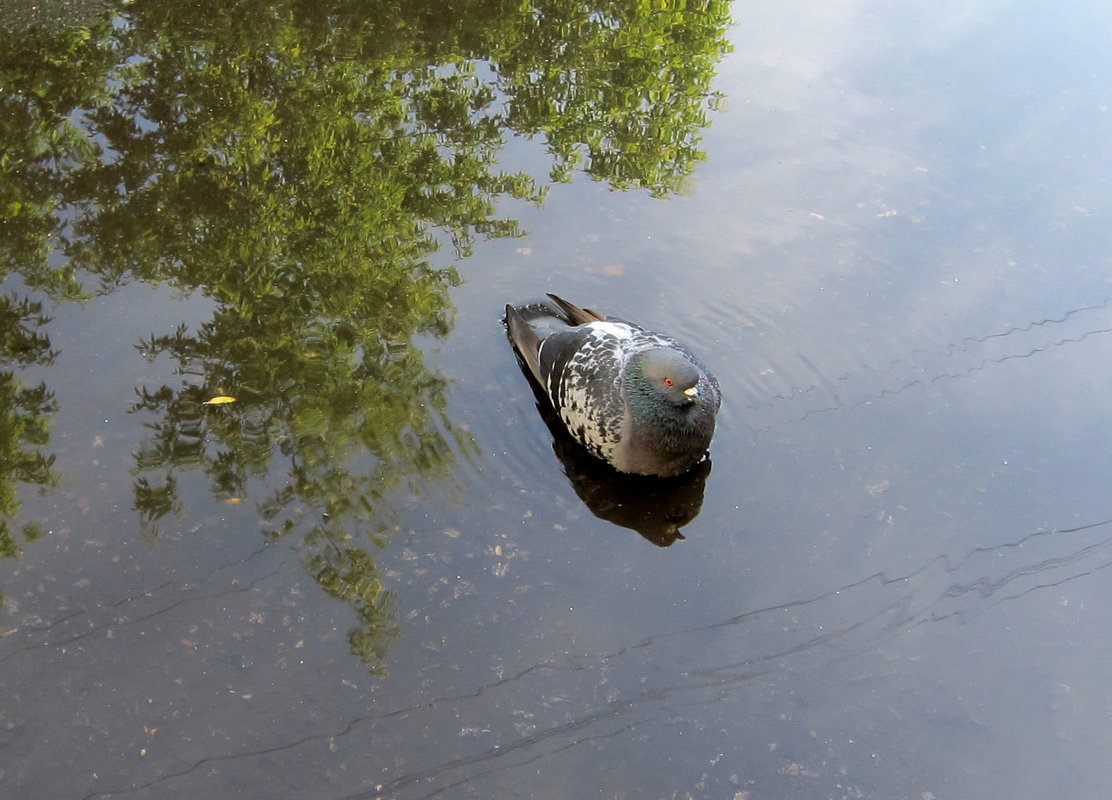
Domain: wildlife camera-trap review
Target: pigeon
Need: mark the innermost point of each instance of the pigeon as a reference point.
(636, 399)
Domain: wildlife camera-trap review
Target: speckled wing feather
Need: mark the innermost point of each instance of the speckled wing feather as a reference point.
(581, 371)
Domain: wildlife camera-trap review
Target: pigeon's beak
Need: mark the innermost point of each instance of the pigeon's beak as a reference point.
(692, 392)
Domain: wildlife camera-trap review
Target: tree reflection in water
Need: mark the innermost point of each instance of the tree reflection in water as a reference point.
(299, 164)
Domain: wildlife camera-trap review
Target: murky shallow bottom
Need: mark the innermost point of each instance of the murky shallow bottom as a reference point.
(896, 584)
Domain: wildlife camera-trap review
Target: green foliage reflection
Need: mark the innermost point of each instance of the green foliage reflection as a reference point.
(300, 164)
(44, 76)
(24, 411)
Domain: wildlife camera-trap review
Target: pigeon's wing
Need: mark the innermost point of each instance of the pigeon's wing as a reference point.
(582, 371)
(577, 315)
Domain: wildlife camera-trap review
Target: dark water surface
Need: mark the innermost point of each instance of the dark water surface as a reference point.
(373, 576)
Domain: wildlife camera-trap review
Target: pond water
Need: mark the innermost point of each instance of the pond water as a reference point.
(884, 227)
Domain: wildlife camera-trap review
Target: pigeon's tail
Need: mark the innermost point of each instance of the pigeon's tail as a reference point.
(525, 339)
(531, 324)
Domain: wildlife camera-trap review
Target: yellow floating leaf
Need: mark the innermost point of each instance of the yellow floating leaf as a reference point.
(219, 400)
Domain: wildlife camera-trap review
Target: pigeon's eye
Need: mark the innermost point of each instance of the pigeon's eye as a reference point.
(669, 382)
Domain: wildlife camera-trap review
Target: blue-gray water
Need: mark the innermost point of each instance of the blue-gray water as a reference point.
(894, 256)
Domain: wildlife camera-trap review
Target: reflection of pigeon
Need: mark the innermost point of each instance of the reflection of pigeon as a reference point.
(636, 399)
(657, 508)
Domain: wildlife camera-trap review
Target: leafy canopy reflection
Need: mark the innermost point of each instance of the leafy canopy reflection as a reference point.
(300, 164)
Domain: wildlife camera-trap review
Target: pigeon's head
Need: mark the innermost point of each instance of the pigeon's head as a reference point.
(672, 377)
(672, 407)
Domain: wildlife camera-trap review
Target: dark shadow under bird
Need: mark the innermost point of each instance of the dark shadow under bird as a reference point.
(657, 508)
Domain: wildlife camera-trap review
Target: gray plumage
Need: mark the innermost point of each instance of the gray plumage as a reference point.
(637, 399)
